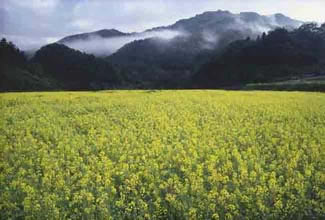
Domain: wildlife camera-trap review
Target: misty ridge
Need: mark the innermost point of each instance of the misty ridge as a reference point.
(101, 46)
(216, 49)
(208, 29)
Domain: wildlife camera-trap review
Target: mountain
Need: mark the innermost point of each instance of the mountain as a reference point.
(199, 38)
(220, 21)
(177, 62)
(105, 33)
(162, 57)
(277, 56)
(215, 29)
(100, 43)
(54, 67)
(17, 74)
(212, 27)
(76, 70)
(158, 62)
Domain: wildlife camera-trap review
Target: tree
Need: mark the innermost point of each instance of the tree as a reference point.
(76, 69)
(280, 53)
(11, 55)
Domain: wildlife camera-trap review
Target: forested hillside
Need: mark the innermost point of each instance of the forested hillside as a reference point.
(281, 54)
(170, 63)
(17, 73)
(76, 70)
(54, 67)
(180, 62)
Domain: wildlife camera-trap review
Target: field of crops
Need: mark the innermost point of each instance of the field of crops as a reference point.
(162, 155)
(315, 84)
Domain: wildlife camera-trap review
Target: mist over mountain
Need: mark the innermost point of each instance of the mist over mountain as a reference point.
(93, 42)
(281, 54)
(106, 42)
(210, 50)
(105, 33)
(220, 21)
(202, 36)
(211, 29)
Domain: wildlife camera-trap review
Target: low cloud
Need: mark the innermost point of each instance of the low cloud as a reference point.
(29, 43)
(40, 19)
(107, 46)
(210, 39)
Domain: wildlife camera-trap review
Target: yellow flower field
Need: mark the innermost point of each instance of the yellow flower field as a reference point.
(162, 155)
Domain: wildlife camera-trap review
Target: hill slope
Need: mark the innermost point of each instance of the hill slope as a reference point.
(17, 74)
(105, 33)
(76, 69)
(278, 55)
(200, 37)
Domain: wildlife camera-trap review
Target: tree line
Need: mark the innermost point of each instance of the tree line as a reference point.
(278, 54)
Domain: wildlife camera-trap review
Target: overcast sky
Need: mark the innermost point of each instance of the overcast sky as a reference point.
(31, 23)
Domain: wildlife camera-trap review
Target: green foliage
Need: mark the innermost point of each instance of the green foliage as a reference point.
(76, 70)
(10, 54)
(160, 63)
(16, 79)
(17, 74)
(54, 66)
(280, 53)
(316, 84)
(162, 155)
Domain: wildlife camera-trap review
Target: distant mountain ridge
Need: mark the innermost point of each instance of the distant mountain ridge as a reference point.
(211, 50)
(104, 33)
(211, 22)
(168, 55)
(222, 19)
(199, 39)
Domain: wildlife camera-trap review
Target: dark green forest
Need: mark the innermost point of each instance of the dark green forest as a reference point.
(278, 55)
(54, 67)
